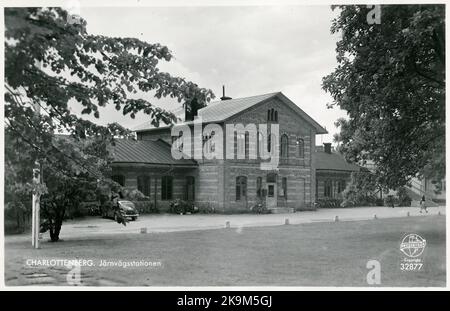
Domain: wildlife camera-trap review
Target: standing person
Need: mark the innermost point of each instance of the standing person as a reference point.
(422, 204)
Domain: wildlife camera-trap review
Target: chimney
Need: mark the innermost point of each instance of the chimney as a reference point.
(327, 148)
(223, 96)
(191, 110)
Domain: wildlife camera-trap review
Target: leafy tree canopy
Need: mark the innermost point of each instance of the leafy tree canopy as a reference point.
(50, 61)
(390, 81)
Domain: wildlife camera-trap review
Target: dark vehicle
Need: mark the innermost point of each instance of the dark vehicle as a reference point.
(125, 208)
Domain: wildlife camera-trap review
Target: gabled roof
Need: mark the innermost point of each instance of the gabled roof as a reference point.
(221, 111)
(333, 162)
(146, 152)
(224, 109)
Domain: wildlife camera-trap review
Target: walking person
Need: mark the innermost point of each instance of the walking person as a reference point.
(422, 204)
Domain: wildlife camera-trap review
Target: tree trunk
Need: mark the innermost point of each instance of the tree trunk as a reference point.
(55, 227)
(55, 230)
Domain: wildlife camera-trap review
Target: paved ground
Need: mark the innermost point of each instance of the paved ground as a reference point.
(86, 227)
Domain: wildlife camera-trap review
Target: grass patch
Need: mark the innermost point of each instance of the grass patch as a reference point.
(317, 254)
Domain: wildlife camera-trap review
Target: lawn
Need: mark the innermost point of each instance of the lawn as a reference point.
(316, 254)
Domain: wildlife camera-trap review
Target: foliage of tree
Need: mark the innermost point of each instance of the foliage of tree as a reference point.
(390, 80)
(361, 190)
(51, 62)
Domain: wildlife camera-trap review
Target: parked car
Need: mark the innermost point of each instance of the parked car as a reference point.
(126, 208)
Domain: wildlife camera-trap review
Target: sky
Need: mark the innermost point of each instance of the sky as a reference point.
(251, 50)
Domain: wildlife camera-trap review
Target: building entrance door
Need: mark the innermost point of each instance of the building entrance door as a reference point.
(271, 199)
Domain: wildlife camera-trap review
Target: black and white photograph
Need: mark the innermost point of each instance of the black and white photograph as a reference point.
(151, 144)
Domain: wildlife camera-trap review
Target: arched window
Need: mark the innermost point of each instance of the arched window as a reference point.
(208, 143)
(143, 184)
(120, 179)
(247, 145)
(241, 188)
(272, 115)
(300, 148)
(284, 151)
(240, 145)
(260, 144)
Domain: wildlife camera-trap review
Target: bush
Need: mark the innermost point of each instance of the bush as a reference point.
(361, 190)
(379, 202)
(390, 201)
(205, 209)
(328, 203)
(403, 198)
(133, 194)
(179, 206)
(91, 208)
(259, 208)
(145, 207)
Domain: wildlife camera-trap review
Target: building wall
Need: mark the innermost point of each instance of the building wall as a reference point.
(216, 178)
(426, 187)
(131, 173)
(334, 177)
(298, 171)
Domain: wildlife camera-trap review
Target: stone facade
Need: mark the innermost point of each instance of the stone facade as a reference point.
(232, 184)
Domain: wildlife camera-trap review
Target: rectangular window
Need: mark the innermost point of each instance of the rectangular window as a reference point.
(166, 187)
(317, 189)
(120, 179)
(328, 189)
(259, 187)
(271, 189)
(341, 186)
(190, 188)
(143, 183)
(284, 187)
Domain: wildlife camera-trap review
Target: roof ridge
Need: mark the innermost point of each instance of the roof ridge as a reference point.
(246, 97)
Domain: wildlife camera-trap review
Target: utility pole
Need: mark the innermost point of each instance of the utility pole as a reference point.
(36, 199)
(36, 207)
